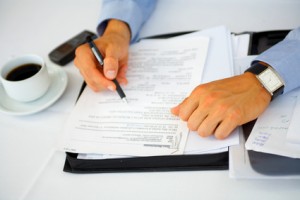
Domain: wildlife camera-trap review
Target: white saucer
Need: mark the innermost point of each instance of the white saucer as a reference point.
(59, 80)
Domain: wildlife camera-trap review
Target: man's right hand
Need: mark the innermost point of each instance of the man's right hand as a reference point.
(113, 45)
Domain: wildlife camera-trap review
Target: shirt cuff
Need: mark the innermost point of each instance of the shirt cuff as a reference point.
(126, 11)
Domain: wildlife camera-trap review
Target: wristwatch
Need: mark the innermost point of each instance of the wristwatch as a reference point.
(268, 77)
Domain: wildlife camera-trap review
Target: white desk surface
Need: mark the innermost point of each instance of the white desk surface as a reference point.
(30, 168)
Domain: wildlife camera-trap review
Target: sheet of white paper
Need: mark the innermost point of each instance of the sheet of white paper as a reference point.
(161, 73)
(90, 156)
(293, 134)
(211, 151)
(195, 143)
(219, 62)
(240, 44)
(242, 63)
(270, 130)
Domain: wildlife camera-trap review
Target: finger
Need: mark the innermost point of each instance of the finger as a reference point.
(122, 75)
(90, 83)
(187, 107)
(94, 86)
(89, 67)
(95, 78)
(225, 129)
(176, 110)
(196, 118)
(83, 52)
(229, 123)
(215, 114)
(204, 112)
(208, 126)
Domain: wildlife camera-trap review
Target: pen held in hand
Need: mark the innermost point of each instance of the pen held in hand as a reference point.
(99, 57)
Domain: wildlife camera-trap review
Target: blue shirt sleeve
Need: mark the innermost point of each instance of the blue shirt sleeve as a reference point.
(284, 57)
(134, 12)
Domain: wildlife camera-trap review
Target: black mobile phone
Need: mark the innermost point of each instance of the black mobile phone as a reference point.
(65, 52)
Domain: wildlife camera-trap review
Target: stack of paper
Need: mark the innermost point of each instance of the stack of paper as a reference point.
(161, 74)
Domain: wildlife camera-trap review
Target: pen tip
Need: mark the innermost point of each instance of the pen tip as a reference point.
(125, 100)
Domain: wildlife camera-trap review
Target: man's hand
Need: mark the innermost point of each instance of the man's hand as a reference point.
(113, 45)
(220, 106)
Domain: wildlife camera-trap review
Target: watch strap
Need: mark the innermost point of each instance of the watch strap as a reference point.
(257, 68)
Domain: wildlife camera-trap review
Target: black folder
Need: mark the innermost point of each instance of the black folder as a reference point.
(260, 41)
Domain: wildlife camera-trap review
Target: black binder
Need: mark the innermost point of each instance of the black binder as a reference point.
(219, 161)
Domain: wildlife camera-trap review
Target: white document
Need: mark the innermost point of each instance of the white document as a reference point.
(241, 64)
(197, 144)
(270, 130)
(161, 74)
(240, 44)
(219, 62)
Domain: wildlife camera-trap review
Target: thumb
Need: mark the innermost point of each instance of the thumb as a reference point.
(110, 68)
(111, 64)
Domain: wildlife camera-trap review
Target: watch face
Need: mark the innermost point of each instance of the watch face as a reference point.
(270, 80)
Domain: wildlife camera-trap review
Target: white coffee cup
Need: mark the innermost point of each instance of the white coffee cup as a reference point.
(30, 88)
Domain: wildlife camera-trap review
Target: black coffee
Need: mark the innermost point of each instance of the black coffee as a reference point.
(23, 72)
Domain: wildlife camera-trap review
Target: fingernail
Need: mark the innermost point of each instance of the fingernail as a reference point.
(176, 111)
(174, 108)
(111, 74)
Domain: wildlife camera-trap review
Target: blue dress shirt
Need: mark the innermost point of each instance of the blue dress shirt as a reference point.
(284, 57)
(134, 12)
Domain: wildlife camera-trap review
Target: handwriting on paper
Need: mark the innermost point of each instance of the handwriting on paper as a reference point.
(270, 131)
